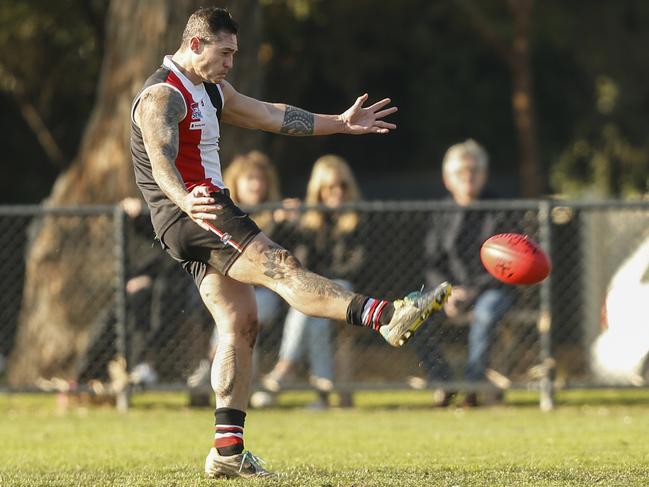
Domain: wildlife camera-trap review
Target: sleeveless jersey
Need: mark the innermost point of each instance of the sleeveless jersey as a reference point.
(198, 137)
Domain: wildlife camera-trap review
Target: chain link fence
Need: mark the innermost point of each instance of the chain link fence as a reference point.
(112, 292)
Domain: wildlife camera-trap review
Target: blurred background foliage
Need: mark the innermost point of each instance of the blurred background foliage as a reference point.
(588, 63)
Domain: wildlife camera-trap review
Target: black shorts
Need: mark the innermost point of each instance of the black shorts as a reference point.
(192, 246)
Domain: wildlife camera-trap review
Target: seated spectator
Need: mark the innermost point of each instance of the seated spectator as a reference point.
(330, 245)
(452, 252)
(146, 265)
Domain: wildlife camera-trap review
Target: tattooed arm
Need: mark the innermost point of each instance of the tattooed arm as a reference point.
(157, 114)
(243, 111)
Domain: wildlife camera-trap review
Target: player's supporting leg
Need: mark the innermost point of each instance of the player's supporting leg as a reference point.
(232, 305)
(265, 263)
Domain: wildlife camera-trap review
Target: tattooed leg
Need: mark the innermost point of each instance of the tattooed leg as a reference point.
(267, 264)
(232, 304)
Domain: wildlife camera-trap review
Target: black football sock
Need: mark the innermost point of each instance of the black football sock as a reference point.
(228, 439)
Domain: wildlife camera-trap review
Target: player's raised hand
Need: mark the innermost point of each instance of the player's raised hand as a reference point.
(200, 207)
(368, 120)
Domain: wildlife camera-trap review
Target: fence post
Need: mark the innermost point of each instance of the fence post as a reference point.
(121, 345)
(544, 325)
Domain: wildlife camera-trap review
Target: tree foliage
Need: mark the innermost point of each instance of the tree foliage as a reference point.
(50, 53)
(447, 80)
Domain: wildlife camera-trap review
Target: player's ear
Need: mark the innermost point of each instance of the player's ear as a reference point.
(195, 44)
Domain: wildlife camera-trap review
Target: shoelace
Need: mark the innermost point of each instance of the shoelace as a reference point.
(254, 461)
(413, 298)
(405, 301)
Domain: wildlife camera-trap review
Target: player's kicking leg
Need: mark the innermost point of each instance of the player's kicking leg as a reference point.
(265, 263)
(232, 305)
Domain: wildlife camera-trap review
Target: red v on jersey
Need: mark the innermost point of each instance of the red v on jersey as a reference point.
(199, 132)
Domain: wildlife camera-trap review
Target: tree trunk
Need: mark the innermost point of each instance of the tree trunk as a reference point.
(531, 177)
(70, 262)
(517, 56)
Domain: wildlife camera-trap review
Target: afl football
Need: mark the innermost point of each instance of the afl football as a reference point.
(515, 259)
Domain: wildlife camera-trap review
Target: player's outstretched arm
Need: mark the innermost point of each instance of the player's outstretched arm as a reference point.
(158, 113)
(244, 111)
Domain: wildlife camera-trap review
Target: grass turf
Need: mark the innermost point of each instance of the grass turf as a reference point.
(390, 439)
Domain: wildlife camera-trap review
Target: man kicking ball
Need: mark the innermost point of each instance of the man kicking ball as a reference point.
(175, 146)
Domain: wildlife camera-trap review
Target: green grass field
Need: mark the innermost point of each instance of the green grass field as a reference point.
(390, 439)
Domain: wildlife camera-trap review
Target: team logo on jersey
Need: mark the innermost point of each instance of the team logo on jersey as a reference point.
(197, 118)
(196, 112)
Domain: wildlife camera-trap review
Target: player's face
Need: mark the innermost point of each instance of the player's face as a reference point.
(252, 188)
(333, 191)
(216, 57)
(466, 179)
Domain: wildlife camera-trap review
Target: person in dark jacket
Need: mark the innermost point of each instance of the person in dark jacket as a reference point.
(452, 252)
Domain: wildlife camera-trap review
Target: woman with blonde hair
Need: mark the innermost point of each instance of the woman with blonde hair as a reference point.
(252, 180)
(332, 183)
(329, 244)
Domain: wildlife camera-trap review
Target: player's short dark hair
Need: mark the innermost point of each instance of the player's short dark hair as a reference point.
(208, 22)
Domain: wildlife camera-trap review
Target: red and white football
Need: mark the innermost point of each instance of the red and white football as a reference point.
(515, 259)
